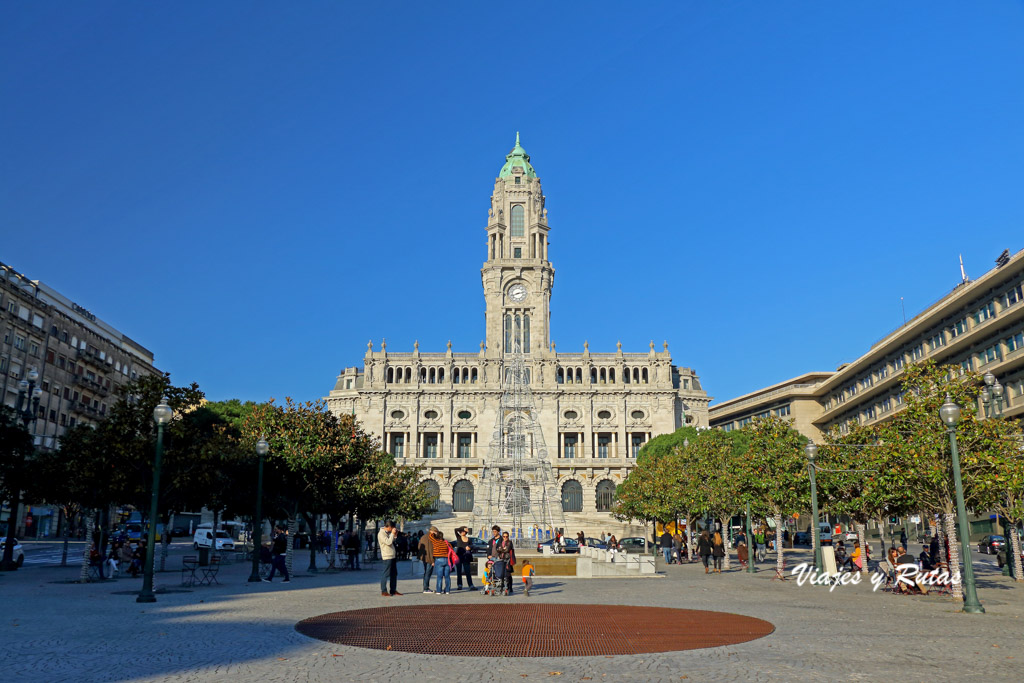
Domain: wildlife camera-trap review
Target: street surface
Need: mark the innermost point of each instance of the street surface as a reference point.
(53, 630)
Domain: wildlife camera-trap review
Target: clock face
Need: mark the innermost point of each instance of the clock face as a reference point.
(517, 293)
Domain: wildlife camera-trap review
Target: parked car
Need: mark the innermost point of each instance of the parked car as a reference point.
(1000, 558)
(569, 545)
(824, 533)
(633, 544)
(479, 547)
(19, 553)
(802, 538)
(992, 544)
(178, 532)
(134, 532)
(204, 539)
(596, 543)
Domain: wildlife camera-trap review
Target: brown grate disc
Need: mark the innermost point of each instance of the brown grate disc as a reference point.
(469, 630)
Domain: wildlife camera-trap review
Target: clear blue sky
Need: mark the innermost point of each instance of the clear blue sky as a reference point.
(254, 190)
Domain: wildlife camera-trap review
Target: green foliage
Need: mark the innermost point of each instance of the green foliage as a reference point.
(772, 474)
(15, 450)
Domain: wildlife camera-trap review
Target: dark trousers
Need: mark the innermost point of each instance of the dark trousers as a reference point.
(704, 559)
(428, 570)
(718, 562)
(464, 567)
(389, 573)
(277, 565)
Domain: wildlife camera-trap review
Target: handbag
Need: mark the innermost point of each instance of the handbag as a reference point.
(453, 557)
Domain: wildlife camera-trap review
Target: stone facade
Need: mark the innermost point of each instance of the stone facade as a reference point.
(595, 410)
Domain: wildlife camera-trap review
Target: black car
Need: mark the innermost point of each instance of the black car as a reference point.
(992, 544)
(633, 544)
(801, 538)
(479, 547)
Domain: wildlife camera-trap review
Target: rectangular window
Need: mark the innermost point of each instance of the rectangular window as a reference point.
(33, 348)
(53, 415)
(745, 421)
(967, 364)
(958, 328)
(465, 445)
(517, 220)
(917, 353)
(984, 313)
(19, 342)
(517, 252)
(61, 361)
(64, 421)
(72, 422)
(990, 355)
(23, 313)
(727, 428)
(897, 363)
(570, 446)
(869, 413)
(887, 405)
(867, 382)
(37, 320)
(3, 365)
(603, 442)
(519, 180)
(1015, 295)
(936, 341)
(49, 356)
(12, 307)
(1015, 342)
(636, 443)
(883, 372)
(781, 411)
(398, 445)
(430, 445)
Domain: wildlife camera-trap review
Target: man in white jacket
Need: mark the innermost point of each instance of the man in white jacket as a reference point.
(386, 540)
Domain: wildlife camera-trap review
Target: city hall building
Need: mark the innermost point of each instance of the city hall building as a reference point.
(439, 409)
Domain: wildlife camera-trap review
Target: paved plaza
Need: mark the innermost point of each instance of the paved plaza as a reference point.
(59, 631)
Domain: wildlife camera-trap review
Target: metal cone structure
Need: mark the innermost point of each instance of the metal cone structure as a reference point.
(518, 482)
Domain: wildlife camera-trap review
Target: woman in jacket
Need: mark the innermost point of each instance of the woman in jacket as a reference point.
(718, 551)
(704, 549)
(464, 551)
(507, 552)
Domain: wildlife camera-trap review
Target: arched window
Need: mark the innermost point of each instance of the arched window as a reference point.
(433, 492)
(572, 496)
(508, 333)
(579, 375)
(433, 376)
(611, 375)
(517, 220)
(473, 378)
(643, 374)
(604, 375)
(625, 375)
(462, 496)
(560, 376)
(408, 375)
(593, 375)
(526, 334)
(456, 376)
(391, 375)
(605, 495)
(440, 375)
(423, 375)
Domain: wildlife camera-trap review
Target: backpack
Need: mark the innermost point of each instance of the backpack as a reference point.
(453, 557)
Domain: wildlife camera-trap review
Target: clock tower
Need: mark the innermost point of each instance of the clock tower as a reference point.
(517, 276)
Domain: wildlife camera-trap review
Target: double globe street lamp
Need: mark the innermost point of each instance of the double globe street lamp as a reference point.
(950, 414)
(257, 521)
(992, 407)
(162, 415)
(27, 408)
(811, 450)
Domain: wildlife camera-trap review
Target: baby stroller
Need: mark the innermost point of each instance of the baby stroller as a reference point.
(499, 570)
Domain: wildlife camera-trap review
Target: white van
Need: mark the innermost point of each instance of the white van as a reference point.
(203, 538)
(824, 533)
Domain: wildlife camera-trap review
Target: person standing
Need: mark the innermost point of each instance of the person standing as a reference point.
(277, 563)
(666, 546)
(903, 537)
(425, 552)
(507, 552)
(528, 574)
(677, 546)
(718, 551)
(464, 551)
(492, 545)
(439, 551)
(704, 549)
(386, 540)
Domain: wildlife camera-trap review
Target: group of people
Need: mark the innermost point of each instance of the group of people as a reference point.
(120, 556)
(441, 557)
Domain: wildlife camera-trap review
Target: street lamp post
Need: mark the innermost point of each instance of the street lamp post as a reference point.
(162, 414)
(950, 414)
(257, 522)
(812, 451)
(26, 410)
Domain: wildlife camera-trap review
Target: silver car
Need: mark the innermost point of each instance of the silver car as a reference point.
(19, 553)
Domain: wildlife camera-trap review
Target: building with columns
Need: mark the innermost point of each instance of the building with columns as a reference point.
(439, 410)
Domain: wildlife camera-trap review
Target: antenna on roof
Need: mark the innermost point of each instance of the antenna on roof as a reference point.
(904, 308)
(963, 273)
(1003, 259)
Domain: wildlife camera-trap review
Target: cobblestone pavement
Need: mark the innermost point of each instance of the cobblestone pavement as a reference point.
(57, 631)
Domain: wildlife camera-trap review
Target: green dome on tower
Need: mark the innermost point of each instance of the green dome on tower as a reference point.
(517, 157)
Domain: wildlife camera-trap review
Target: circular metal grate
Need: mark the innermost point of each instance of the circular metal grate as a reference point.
(469, 630)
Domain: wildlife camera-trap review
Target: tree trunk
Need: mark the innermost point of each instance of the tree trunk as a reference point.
(333, 554)
(863, 548)
(780, 560)
(954, 556)
(725, 541)
(881, 535)
(83, 576)
(65, 529)
(293, 527)
(1017, 570)
(312, 543)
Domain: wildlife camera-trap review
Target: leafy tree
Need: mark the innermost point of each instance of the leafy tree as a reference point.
(15, 450)
(772, 474)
